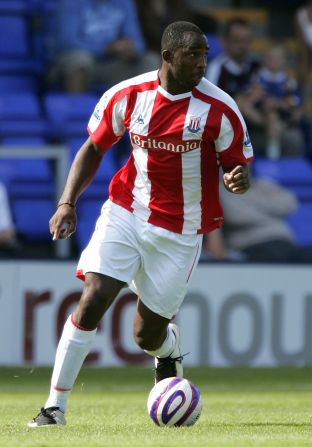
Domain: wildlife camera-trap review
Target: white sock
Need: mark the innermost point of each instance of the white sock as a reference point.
(73, 347)
(167, 347)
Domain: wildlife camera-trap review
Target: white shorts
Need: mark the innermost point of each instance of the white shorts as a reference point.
(157, 264)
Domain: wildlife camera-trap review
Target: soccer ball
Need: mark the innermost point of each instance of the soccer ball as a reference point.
(174, 402)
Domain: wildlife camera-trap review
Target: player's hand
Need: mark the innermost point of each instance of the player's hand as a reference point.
(63, 222)
(237, 180)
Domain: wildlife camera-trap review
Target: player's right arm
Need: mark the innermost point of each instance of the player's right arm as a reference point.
(82, 171)
(105, 128)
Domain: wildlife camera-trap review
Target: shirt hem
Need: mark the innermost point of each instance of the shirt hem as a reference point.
(210, 227)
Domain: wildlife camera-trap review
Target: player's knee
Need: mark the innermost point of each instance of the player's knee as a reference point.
(95, 299)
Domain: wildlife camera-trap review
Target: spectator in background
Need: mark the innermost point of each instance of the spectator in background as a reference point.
(97, 42)
(255, 228)
(303, 27)
(281, 105)
(268, 98)
(215, 249)
(154, 16)
(8, 240)
(233, 71)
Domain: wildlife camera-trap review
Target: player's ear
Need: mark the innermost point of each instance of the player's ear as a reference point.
(167, 56)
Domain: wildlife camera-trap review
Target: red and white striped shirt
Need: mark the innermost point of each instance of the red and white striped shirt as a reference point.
(171, 178)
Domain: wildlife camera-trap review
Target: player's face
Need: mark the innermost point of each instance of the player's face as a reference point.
(189, 62)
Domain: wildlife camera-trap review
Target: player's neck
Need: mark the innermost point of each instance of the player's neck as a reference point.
(170, 84)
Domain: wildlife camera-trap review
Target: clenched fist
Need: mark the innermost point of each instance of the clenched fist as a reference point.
(237, 180)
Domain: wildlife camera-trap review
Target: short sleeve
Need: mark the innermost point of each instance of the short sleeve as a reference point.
(106, 124)
(233, 144)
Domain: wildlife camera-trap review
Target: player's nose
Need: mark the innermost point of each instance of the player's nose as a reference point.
(202, 62)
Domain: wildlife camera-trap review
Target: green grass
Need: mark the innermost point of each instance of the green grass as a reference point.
(242, 407)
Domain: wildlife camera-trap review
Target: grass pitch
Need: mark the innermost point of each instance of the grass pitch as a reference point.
(242, 407)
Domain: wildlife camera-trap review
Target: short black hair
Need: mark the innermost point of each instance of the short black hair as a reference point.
(235, 21)
(174, 35)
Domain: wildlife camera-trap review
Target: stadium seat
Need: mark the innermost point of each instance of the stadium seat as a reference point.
(286, 171)
(14, 7)
(18, 83)
(215, 46)
(16, 49)
(14, 36)
(108, 167)
(31, 189)
(301, 224)
(31, 218)
(27, 178)
(68, 114)
(19, 106)
(20, 115)
(34, 169)
(7, 170)
(45, 6)
(97, 190)
(88, 212)
(33, 142)
(29, 128)
(21, 66)
(74, 145)
(302, 192)
(89, 209)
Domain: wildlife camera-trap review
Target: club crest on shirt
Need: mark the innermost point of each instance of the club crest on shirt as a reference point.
(194, 124)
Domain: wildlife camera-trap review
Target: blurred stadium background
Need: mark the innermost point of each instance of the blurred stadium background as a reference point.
(247, 327)
(235, 314)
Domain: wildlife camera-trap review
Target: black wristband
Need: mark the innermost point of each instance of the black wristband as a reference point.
(72, 205)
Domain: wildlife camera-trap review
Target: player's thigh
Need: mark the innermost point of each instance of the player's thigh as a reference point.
(169, 262)
(98, 294)
(113, 249)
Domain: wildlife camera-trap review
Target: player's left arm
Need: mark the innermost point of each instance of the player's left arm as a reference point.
(236, 180)
(234, 150)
